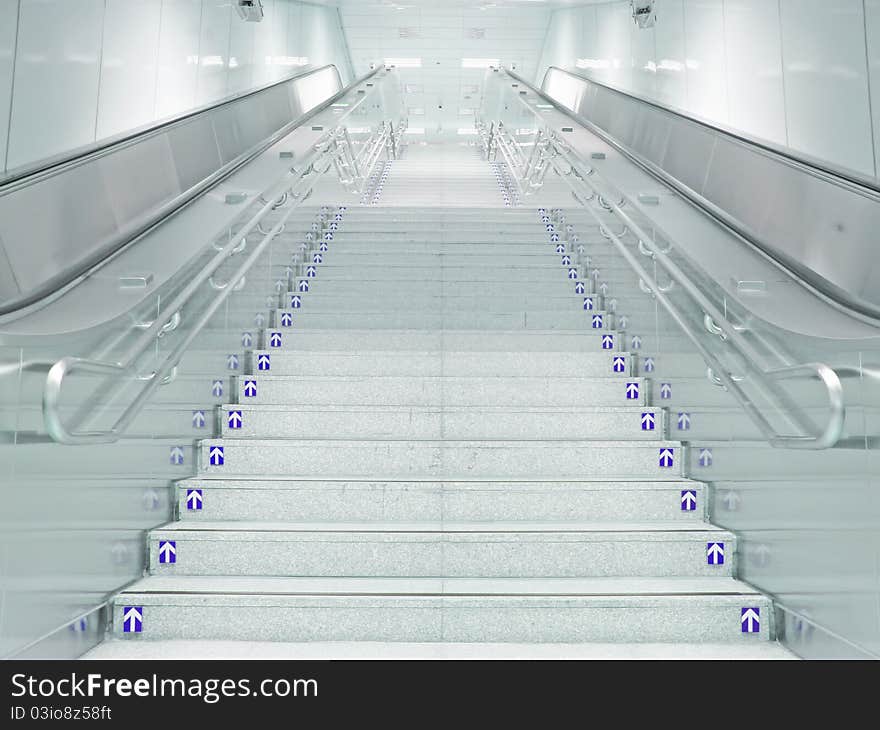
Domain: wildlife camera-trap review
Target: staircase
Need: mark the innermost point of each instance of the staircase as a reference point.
(440, 436)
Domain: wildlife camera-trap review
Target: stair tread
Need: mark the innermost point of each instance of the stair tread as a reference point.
(456, 408)
(341, 650)
(579, 482)
(589, 587)
(444, 527)
(463, 443)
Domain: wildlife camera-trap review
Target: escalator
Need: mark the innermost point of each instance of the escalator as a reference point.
(489, 393)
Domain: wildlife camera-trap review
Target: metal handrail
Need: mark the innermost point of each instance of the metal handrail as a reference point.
(833, 430)
(80, 270)
(295, 185)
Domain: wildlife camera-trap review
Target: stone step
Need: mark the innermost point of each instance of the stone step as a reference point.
(437, 363)
(404, 340)
(441, 549)
(314, 500)
(384, 459)
(695, 610)
(440, 422)
(462, 391)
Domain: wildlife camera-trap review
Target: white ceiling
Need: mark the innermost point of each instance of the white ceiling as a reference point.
(472, 4)
(440, 34)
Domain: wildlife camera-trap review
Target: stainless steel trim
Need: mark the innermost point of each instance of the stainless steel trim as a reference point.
(86, 265)
(322, 159)
(717, 373)
(840, 290)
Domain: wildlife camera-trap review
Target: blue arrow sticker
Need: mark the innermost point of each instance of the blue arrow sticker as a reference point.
(167, 552)
(232, 362)
(259, 319)
(198, 419)
(132, 619)
(318, 259)
(688, 500)
(648, 421)
(311, 272)
(295, 301)
(303, 285)
(632, 391)
(684, 421)
(597, 321)
(666, 391)
(274, 340)
(216, 456)
(759, 555)
(550, 228)
(750, 620)
(705, 457)
(286, 319)
(176, 455)
(715, 553)
(579, 288)
(607, 342)
(667, 458)
(636, 342)
(588, 303)
(560, 248)
(554, 237)
(263, 362)
(603, 288)
(731, 501)
(619, 364)
(194, 500)
(233, 419)
(247, 339)
(572, 274)
(649, 365)
(566, 260)
(250, 388)
(323, 247)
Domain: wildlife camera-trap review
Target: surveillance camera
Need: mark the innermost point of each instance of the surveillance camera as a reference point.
(643, 12)
(249, 10)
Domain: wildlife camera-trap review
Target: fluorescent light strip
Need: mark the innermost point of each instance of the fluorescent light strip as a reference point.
(404, 62)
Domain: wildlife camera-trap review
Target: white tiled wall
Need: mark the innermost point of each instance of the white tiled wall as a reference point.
(76, 71)
(8, 9)
(800, 73)
(441, 94)
(55, 80)
(128, 63)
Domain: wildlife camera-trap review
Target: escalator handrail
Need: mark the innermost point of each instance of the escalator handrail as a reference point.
(849, 180)
(66, 160)
(85, 267)
(295, 186)
(834, 426)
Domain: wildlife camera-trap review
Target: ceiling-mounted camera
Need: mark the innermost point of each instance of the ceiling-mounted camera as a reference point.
(249, 10)
(644, 14)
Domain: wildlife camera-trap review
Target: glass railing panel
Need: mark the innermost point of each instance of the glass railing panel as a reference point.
(761, 422)
(74, 515)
